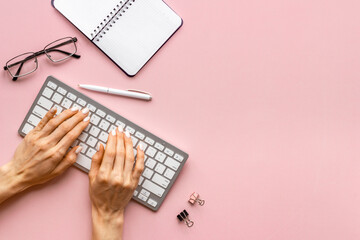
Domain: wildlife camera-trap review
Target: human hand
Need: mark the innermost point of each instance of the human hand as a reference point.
(113, 179)
(41, 155)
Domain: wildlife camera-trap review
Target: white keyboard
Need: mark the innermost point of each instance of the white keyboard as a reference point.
(163, 161)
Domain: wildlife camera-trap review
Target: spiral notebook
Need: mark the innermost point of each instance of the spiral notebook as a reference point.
(129, 32)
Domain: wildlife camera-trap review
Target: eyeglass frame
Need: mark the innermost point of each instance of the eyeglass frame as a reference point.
(44, 51)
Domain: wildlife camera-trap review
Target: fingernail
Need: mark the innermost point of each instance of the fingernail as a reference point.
(120, 128)
(85, 110)
(86, 119)
(127, 134)
(141, 147)
(74, 109)
(98, 147)
(113, 132)
(78, 150)
(53, 110)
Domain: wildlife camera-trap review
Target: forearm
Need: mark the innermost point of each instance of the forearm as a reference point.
(10, 184)
(107, 226)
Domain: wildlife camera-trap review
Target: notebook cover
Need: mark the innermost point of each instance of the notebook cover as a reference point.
(52, 3)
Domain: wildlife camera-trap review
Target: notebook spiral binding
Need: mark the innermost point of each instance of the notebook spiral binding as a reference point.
(111, 19)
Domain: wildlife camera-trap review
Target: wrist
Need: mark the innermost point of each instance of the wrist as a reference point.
(107, 225)
(10, 183)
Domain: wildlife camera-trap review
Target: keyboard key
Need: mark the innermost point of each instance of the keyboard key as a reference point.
(141, 180)
(140, 135)
(81, 102)
(142, 197)
(150, 163)
(83, 137)
(118, 123)
(148, 173)
(39, 111)
(149, 141)
(169, 173)
(160, 168)
(52, 85)
(104, 125)
(91, 141)
(143, 144)
(92, 108)
(160, 157)
(58, 109)
(159, 146)
(71, 96)
(84, 147)
(87, 128)
(130, 130)
(110, 118)
(61, 91)
(171, 163)
(57, 98)
(151, 152)
(134, 140)
(94, 119)
(160, 180)
(135, 152)
(27, 128)
(76, 105)
(33, 120)
(169, 152)
(66, 103)
(100, 113)
(83, 161)
(94, 131)
(145, 193)
(90, 153)
(179, 157)
(47, 92)
(135, 193)
(152, 202)
(152, 187)
(103, 136)
(45, 103)
(112, 127)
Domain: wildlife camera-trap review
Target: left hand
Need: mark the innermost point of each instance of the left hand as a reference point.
(41, 156)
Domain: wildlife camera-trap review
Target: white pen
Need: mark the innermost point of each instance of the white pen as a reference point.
(126, 93)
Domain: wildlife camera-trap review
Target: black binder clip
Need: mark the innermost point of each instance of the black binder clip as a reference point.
(184, 216)
(195, 198)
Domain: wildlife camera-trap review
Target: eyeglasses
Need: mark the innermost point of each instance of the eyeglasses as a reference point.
(27, 63)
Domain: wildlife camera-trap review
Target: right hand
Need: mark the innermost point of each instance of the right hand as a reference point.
(113, 179)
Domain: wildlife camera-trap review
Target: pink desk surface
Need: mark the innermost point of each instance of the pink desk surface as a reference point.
(263, 95)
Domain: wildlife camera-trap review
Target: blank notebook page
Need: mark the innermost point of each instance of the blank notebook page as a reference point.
(136, 36)
(86, 15)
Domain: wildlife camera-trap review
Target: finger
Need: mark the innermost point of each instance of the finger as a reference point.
(120, 151)
(129, 156)
(139, 165)
(110, 153)
(48, 116)
(65, 127)
(71, 136)
(96, 161)
(52, 124)
(68, 160)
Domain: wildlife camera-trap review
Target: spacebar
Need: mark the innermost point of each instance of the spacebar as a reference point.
(152, 187)
(84, 161)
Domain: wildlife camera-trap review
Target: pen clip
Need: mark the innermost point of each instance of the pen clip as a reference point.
(138, 91)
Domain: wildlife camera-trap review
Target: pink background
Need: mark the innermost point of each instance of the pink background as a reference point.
(263, 95)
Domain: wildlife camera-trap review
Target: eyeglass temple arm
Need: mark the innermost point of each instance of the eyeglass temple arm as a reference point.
(64, 52)
(18, 72)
